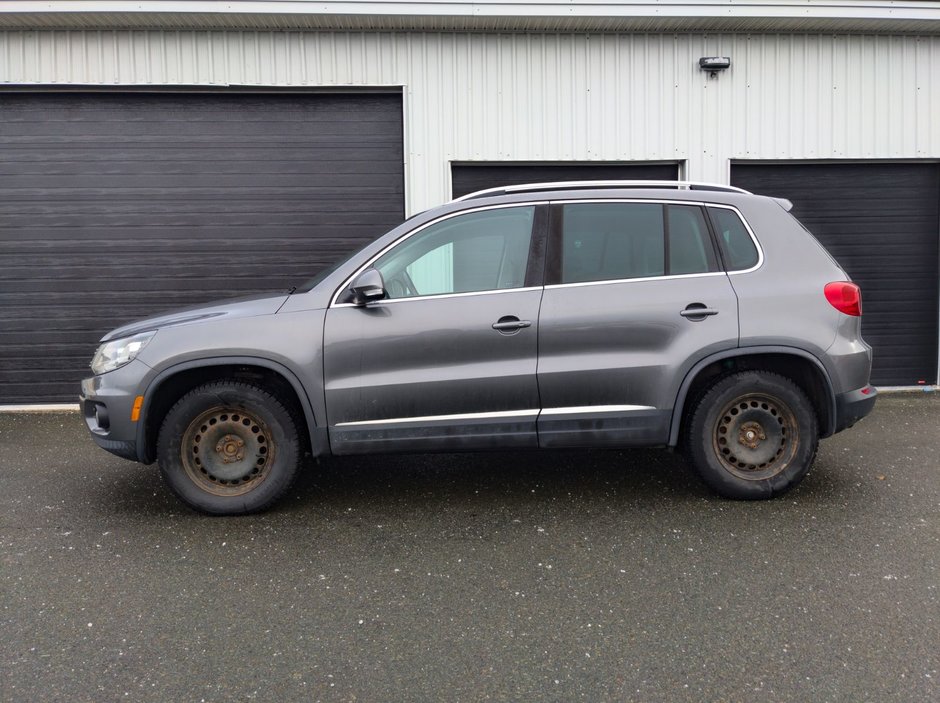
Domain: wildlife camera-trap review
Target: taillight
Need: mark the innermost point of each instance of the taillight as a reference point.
(845, 297)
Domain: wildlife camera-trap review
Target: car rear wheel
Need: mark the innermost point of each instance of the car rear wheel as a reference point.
(228, 448)
(753, 435)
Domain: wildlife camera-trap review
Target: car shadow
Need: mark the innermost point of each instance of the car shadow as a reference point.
(409, 483)
(425, 481)
(491, 478)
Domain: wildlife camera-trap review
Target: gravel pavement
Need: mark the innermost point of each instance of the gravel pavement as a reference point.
(569, 576)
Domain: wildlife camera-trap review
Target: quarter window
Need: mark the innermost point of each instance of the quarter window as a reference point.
(479, 251)
(736, 244)
(613, 241)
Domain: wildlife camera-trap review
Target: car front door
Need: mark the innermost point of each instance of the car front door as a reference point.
(447, 360)
(634, 296)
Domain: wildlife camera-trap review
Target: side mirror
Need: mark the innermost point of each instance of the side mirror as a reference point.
(367, 286)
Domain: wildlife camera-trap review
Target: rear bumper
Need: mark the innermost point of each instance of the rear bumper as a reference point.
(853, 406)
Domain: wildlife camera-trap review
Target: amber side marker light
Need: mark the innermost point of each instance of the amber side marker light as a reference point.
(135, 411)
(845, 297)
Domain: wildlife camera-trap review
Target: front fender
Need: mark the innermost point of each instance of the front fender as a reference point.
(319, 442)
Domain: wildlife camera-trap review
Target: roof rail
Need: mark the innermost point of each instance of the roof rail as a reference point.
(584, 185)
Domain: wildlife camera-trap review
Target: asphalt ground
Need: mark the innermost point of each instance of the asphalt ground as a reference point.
(570, 576)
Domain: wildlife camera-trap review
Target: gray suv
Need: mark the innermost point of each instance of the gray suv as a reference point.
(600, 314)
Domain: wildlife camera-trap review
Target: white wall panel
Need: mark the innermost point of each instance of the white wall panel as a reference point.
(471, 96)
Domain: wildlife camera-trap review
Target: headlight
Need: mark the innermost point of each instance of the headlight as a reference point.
(114, 355)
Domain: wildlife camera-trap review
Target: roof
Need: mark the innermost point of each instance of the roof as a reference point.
(827, 16)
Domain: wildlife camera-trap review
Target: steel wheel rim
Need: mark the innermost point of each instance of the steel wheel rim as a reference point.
(755, 436)
(227, 451)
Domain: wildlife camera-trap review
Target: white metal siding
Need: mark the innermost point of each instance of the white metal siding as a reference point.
(827, 16)
(538, 97)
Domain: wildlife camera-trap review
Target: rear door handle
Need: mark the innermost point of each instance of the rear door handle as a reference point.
(697, 312)
(510, 323)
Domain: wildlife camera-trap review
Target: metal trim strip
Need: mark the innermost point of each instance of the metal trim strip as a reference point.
(433, 418)
(416, 230)
(760, 249)
(584, 185)
(442, 296)
(635, 280)
(587, 409)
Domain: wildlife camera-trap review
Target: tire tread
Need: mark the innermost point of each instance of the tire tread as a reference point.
(719, 480)
(272, 404)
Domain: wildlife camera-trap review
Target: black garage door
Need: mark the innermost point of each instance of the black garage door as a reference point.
(116, 206)
(881, 222)
(470, 177)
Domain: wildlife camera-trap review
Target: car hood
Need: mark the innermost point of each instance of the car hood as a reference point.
(251, 306)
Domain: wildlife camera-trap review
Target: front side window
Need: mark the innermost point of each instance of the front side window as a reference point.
(479, 251)
(615, 241)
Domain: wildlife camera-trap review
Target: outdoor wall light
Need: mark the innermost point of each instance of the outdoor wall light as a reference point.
(714, 64)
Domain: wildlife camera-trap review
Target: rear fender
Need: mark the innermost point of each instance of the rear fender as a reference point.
(827, 423)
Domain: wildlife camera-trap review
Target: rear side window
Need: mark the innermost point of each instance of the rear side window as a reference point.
(688, 243)
(615, 241)
(736, 244)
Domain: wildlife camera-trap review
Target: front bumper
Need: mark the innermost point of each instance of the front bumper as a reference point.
(106, 402)
(853, 406)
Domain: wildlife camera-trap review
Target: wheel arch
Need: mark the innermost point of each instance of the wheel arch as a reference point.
(173, 382)
(799, 365)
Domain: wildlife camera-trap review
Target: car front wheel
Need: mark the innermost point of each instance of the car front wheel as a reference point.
(228, 448)
(753, 435)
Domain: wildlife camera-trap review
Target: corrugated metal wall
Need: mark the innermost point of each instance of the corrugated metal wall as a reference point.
(554, 96)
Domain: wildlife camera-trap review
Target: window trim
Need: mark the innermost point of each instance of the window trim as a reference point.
(713, 262)
(553, 263)
(439, 296)
(717, 244)
(610, 281)
(538, 226)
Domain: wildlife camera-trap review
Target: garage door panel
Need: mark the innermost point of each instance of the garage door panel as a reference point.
(182, 283)
(92, 130)
(145, 302)
(196, 282)
(37, 367)
(49, 252)
(327, 210)
(880, 221)
(118, 206)
(267, 159)
(156, 135)
(162, 168)
(65, 320)
(132, 264)
(225, 185)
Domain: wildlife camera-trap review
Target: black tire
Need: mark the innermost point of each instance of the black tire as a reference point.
(753, 435)
(228, 448)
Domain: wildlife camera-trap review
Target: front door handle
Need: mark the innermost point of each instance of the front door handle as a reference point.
(510, 323)
(697, 312)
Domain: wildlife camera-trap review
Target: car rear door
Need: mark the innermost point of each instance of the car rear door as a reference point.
(448, 360)
(634, 296)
